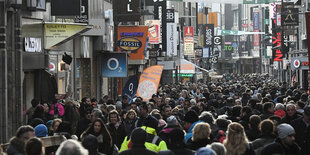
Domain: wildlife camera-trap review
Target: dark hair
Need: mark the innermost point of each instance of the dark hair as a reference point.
(301, 104)
(34, 146)
(116, 113)
(254, 121)
(178, 136)
(144, 106)
(34, 102)
(23, 129)
(267, 105)
(236, 110)
(93, 100)
(266, 127)
(104, 130)
(246, 109)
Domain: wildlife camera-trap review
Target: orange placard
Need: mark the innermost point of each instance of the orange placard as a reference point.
(149, 81)
(212, 18)
(133, 39)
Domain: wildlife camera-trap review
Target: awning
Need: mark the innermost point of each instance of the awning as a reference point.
(186, 67)
(53, 34)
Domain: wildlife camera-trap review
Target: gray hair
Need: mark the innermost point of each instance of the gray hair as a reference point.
(218, 148)
(71, 147)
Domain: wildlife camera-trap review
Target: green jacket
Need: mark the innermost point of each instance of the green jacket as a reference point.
(153, 142)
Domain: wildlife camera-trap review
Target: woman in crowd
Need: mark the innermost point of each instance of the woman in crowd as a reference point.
(236, 142)
(99, 129)
(116, 128)
(201, 136)
(129, 121)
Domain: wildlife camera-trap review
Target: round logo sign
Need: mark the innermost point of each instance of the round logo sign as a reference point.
(296, 63)
(52, 66)
(217, 40)
(129, 44)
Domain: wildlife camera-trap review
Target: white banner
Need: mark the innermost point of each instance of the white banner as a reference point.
(189, 46)
(154, 31)
(172, 37)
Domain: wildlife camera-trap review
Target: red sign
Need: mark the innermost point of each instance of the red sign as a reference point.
(245, 25)
(188, 31)
(256, 38)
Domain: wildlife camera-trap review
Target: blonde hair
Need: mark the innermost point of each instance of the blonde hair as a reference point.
(54, 122)
(236, 141)
(131, 111)
(201, 131)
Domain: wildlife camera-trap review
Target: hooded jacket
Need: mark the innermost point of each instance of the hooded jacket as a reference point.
(16, 147)
(153, 142)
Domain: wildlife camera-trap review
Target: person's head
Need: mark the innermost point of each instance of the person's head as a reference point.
(236, 141)
(291, 109)
(178, 136)
(41, 130)
(96, 113)
(133, 106)
(138, 136)
(306, 114)
(205, 151)
(125, 99)
(187, 104)
(206, 117)
(131, 114)
(55, 124)
(88, 101)
(268, 107)
(90, 143)
(71, 147)
(218, 148)
(201, 131)
(150, 106)
(113, 117)
(24, 133)
(34, 146)
(151, 121)
(266, 127)
(286, 134)
(34, 102)
(97, 126)
(166, 110)
(143, 109)
(254, 121)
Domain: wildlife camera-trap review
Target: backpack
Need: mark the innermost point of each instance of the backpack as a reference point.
(220, 136)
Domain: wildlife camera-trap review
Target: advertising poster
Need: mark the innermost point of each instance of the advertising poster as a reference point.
(277, 54)
(133, 39)
(130, 88)
(114, 65)
(153, 31)
(172, 37)
(189, 46)
(149, 81)
(209, 35)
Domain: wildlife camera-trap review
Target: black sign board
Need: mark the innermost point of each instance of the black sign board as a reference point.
(170, 15)
(83, 18)
(277, 53)
(218, 40)
(126, 10)
(285, 43)
(289, 16)
(209, 35)
(66, 8)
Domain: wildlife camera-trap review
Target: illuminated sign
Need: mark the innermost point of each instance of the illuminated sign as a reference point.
(129, 44)
(276, 42)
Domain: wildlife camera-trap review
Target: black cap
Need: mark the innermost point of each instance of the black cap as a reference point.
(151, 121)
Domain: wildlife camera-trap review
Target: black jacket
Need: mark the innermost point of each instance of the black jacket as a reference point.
(16, 147)
(287, 119)
(302, 135)
(118, 135)
(278, 148)
(195, 145)
(261, 142)
(137, 150)
(179, 148)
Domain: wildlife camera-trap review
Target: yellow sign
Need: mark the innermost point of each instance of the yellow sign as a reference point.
(56, 33)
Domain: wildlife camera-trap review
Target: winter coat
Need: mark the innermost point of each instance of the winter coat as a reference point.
(253, 134)
(165, 133)
(278, 148)
(61, 109)
(129, 126)
(302, 134)
(261, 142)
(16, 147)
(153, 142)
(189, 134)
(180, 148)
(195, 145)
(118, 134)
(138, 150)
(288, 119)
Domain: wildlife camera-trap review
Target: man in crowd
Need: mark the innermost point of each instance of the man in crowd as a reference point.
(17, 143)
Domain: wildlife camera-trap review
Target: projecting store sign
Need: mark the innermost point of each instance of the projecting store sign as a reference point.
(209, 35)
(129, 44)
(33, 45)
(300, 63)
(126, 10)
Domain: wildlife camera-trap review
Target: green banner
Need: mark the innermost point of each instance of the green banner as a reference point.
(258, 1)
(229, 32)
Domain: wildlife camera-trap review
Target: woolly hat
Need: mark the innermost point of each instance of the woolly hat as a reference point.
(285, 130)
(191, 117)
(281, 113)
(138, 136)
(90, 143)
(40, 130)
(118, 105)
(151, 121)
(205, 151)
(172, 121)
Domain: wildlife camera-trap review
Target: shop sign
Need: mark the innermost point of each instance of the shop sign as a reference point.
(130, 88)
(129, 44)
(277, 53)
(126, 10)
(188, 31)
(132, 38)
(300, 63)
(290, 16)
(255, 18)
(33, 44)
(209, 35)
(189, 46)
(154, 31)
(172, 36)
(114, 65)
(57, 33)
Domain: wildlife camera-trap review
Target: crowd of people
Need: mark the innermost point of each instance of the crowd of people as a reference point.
(235, 115)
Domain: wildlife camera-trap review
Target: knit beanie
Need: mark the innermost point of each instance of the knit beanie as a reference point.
(285, 130)
(205, 151)
(41, 130)
(151, 121)
(138, 136)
